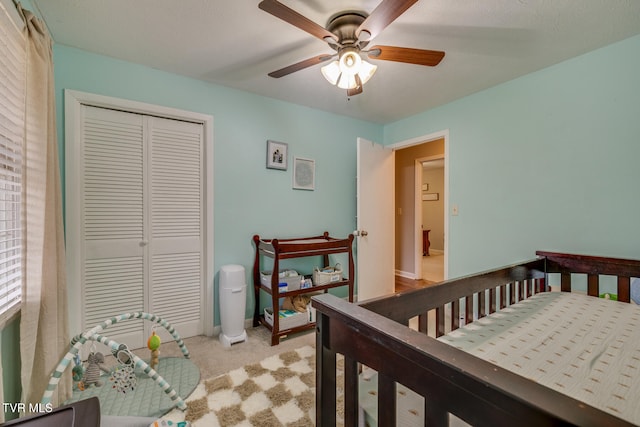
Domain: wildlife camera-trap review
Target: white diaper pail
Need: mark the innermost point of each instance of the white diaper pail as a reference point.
(232, 299)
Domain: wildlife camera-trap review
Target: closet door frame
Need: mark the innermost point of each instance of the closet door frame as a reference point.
(74, 100)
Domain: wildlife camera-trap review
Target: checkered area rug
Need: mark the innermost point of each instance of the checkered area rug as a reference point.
(277, 392)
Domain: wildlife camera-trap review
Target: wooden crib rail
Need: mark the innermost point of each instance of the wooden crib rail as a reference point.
(593, 267)
(373, 333)
(491, 290)
(451, 381)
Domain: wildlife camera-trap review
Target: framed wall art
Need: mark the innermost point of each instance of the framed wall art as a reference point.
(277, 154)
(304, 174)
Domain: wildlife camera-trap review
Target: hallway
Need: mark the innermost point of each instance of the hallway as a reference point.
(432, 272)
(433, 267)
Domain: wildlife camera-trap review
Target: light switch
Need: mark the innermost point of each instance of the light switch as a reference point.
(454, 210)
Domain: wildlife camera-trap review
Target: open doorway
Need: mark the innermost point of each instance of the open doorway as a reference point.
(430, 213)
(413, 262)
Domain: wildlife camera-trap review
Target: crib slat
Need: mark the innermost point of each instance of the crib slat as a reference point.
(351, 391)
(492, 300)
(434, 415)
(439, 322)
(565, 282)
(468, 309)
(325, 375)
(541, 286)
(455, 315)
(503, 296)
(519, 288)
(624, 289)
(386, 401)
(593, 286)
(423, 323)
(482, 304)
(512, 293)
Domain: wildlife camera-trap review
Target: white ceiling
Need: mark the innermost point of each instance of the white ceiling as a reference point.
(233, 43)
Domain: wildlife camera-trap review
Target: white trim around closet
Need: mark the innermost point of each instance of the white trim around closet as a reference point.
(73, 102)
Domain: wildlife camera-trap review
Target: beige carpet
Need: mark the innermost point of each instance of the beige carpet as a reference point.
(213, 359)
(276, 391)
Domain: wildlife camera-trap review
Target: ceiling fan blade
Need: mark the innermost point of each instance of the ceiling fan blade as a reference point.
(429, 58)
(383, 15)
(289, 15)
(300, 66)
(356, 90)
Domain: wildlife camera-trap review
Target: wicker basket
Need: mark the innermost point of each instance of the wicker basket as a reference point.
(327, 275)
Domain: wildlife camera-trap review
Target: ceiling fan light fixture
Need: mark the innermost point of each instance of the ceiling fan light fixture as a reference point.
(349, 71)
(331, 72)
(350, 61)
(366, 71)
(347, 81)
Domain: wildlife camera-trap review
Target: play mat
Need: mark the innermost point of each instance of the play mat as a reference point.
(133, 387)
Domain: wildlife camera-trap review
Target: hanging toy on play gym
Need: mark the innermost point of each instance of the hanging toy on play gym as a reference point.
(153, 343)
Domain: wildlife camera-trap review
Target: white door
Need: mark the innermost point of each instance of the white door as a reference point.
(111, 255)
(141, 223)
(176, 224)
(376, 220)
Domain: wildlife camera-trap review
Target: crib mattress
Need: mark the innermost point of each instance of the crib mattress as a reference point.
(585, 347)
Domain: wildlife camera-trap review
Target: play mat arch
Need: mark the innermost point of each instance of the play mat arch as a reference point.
(142, 368)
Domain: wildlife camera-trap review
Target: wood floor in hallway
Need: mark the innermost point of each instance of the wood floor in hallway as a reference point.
(404, 284)
(432, 272)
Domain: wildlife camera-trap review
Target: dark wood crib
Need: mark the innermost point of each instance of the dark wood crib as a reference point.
(375, 333)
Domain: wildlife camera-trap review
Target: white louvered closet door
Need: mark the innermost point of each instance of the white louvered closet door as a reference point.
(113, 231)
(142, 222)
(176, 220)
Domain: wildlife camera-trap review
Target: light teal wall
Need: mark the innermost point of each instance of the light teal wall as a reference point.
(249, 198)
(547, 161)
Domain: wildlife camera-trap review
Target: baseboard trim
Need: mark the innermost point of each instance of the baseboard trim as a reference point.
(406, 274)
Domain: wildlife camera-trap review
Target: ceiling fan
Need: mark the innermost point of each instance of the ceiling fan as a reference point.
(349, 33)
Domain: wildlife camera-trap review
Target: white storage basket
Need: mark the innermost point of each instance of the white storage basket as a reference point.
(327, 275)
(289, 277)
(289, 319)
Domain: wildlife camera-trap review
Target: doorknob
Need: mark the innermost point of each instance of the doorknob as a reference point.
(361, 233)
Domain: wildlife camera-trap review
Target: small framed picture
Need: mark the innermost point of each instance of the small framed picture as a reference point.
(277, 155)
(304, 174)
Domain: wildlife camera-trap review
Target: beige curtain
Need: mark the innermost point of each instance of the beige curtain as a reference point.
(44, 330)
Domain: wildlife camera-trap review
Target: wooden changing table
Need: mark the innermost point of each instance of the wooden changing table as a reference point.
(280, 249)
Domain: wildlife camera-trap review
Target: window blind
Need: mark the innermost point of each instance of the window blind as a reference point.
(12, 111)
